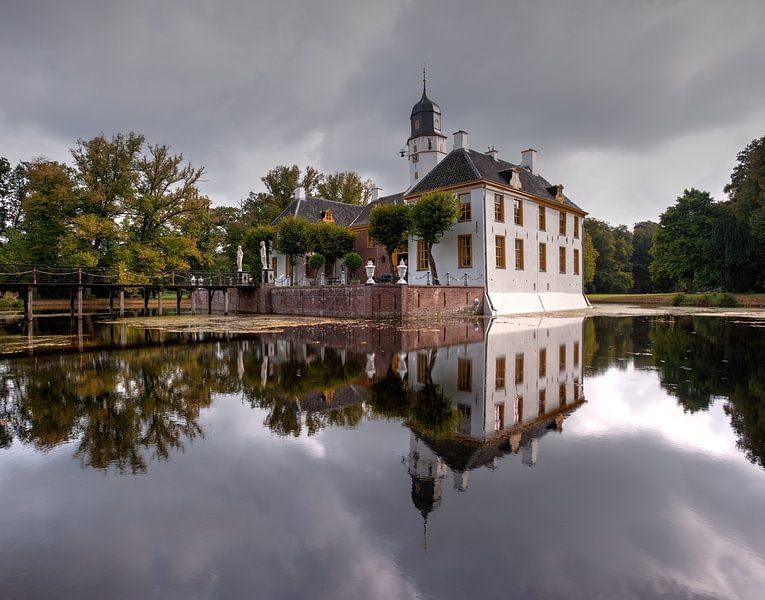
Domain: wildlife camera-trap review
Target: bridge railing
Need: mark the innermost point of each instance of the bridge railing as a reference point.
(21, 274)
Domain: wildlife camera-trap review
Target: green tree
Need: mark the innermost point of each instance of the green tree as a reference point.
(590, 258)
(166, 196)
(353, 261)
(389, 226)
(346, 186)
(293, 238)
(613, 269)
(642, 240)
(251, 244)
(746, 191)
(106, 172)
(13, 185)
(432, 216)
(48, 207)
(331, 240)
(681, 243)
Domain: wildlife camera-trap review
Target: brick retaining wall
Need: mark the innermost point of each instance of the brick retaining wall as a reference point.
(355, 301)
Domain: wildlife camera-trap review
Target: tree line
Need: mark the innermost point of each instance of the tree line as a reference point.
(699, 243)
(124, 203)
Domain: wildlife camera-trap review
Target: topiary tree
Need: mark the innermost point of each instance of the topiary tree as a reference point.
(432, 216)
(293, 238)
(352, 262)
(331, 241)
(389, 226)
(316, 262)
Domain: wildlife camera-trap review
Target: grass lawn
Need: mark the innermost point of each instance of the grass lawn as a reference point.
(665, 299)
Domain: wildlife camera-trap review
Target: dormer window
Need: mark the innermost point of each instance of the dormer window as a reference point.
(326, 216)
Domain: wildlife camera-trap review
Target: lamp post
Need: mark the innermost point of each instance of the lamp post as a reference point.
(370, 269)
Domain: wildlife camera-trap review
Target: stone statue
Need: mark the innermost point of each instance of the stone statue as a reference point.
(239, 259)
(263, 255)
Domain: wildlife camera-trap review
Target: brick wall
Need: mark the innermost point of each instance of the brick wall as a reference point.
(356, 301)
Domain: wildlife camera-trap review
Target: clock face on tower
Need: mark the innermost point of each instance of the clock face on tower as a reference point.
(438, 123)
(417, 124)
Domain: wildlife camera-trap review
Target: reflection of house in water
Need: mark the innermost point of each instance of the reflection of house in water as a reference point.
(509, 390)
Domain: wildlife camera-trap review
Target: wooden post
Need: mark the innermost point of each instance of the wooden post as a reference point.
(71, 303)
(225, 301)
(178, 296)
(210, 294)
(28, 303)
(193, 298)
(111, 300)
(79, 302)
(159, 301)
(122, 302)
(146, 293)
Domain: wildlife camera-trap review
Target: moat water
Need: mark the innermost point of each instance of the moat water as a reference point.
(555, 458)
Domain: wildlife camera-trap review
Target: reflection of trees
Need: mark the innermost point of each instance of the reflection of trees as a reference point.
(309, 390)
(699, 359)
(607, 342)
(426, 409)
(118, 406)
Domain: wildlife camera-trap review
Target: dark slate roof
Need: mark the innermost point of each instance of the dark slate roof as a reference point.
(363, 217)
(311, 210)
(463, 166)
(425, 104)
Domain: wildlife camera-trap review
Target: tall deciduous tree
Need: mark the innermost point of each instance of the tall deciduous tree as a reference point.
(13, 186)
(106, 177)
(432, 216)
(642, 240)
(746, 191)
(680, 243)
(613, 269)
(346, 186)
(48, 207)
(389, 226)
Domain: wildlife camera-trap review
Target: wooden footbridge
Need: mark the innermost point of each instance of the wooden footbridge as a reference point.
(26, 279)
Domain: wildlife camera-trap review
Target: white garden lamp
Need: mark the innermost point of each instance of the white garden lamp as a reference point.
(401, 268)
(370, 269)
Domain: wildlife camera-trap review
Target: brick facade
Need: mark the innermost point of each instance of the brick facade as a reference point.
(355, 301)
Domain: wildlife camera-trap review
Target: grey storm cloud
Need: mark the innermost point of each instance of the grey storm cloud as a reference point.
(628, 102)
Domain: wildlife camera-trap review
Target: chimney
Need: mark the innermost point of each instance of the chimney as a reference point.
(461, 140)
(299, 193)
(492, 151)
(375, 194)
(529, 160)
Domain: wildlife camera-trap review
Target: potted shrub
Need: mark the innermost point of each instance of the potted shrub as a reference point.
(352, 261)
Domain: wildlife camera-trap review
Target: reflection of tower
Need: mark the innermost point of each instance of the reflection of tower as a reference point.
(426, 470)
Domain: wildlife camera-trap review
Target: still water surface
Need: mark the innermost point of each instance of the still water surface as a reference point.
(598, 458)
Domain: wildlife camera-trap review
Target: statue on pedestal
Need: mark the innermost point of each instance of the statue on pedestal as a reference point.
(263, 255)
(239, 259)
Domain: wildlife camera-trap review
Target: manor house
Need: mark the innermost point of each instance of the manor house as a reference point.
(518, 236)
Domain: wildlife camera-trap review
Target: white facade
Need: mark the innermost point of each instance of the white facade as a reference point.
(424, 153)
(525, 369)
(517, 287)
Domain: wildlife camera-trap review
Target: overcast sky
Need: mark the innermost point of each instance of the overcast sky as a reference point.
(628, 102)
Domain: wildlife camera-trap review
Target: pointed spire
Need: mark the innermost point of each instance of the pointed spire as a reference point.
(424, 80)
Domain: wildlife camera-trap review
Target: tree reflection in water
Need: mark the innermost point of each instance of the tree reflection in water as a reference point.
(698, 360)
(122, 408)
(125, 408)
